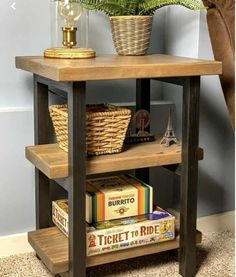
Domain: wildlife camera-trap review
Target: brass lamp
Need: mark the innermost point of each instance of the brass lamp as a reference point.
(69, 29)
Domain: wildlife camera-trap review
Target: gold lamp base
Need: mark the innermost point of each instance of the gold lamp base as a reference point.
(69, 53)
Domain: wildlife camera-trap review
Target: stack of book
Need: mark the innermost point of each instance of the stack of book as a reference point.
(120, 215)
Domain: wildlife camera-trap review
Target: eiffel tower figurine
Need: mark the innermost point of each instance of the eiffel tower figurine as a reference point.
(169, 136)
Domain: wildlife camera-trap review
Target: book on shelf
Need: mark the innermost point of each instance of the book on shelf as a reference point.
(119, 234)
(114, 197)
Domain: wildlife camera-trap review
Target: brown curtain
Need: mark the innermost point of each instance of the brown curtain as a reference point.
(221, 25)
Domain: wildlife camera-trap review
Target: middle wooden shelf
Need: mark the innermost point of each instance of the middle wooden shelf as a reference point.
(53, 161)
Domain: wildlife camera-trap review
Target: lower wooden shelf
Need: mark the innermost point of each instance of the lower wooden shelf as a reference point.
(51, 245)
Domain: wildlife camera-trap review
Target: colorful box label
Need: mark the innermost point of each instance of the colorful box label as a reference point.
(119, 197)
(113, 235)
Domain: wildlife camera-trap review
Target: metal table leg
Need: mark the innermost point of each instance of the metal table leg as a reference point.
(41, 136)
(189, 178)
(77, 176)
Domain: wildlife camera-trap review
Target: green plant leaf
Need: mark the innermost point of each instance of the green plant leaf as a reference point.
(113, 7)
(131, 7)
(110, 7)
(137, 7)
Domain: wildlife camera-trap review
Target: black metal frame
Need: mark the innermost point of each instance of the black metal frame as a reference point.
(143, 99)
(41, 136)
(76, 160)
(189, 172)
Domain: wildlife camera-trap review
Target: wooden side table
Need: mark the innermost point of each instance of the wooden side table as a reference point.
(60, 254)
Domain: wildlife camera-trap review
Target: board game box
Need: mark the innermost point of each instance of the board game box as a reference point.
(118, 197)
(113, 235)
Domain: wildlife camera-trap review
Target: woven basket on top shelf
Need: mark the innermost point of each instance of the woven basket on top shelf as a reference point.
(131, 34)
(106, 127)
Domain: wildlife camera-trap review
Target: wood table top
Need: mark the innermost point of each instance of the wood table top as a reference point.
(107, 67)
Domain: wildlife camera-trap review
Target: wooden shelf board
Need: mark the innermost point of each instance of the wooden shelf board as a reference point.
(51, 245)
(53, 161)
(108, 67)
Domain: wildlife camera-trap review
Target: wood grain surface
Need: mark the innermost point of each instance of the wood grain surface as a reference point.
(53, 161)
(109, 67)
(51, 245)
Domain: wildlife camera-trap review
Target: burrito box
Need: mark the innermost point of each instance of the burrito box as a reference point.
(119, 234)
(120, 196)
(116, 197)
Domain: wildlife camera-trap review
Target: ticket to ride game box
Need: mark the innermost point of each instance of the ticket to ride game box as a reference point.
(113, 235)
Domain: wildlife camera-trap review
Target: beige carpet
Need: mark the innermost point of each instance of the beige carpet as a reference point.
(215, 258)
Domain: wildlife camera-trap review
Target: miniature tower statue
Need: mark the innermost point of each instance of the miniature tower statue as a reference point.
(169, 136)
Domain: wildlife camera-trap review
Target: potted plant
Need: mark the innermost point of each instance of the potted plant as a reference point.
(131, 20)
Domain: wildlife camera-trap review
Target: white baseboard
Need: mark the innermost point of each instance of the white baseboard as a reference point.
(14, 244)
(217, 222)
(17, 244)
(15, 109)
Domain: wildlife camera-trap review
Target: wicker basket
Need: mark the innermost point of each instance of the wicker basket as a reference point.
(106, 127)
(131, 34)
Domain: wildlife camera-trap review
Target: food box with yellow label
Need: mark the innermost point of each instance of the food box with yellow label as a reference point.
(118, 197)
(119, 234)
